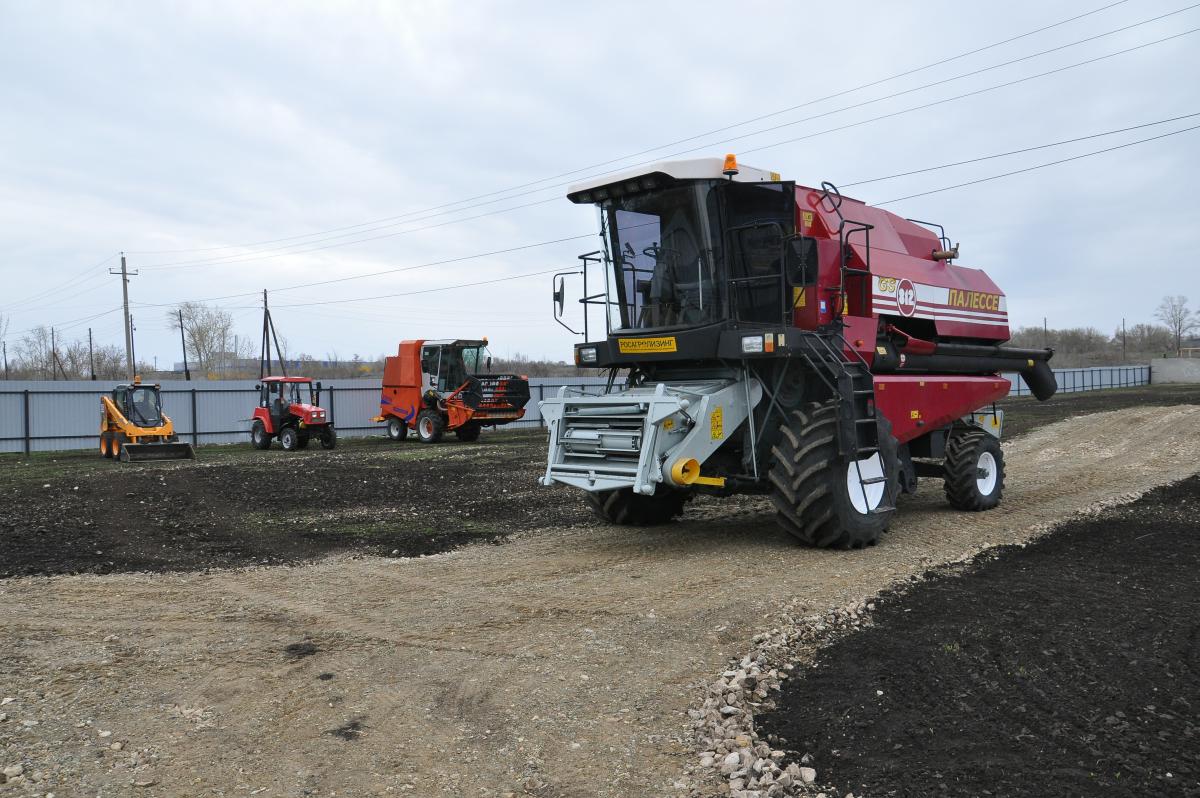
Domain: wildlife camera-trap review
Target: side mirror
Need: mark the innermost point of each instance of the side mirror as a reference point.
(258, 388)
(559, 297)
(489, 363)
(800, 260)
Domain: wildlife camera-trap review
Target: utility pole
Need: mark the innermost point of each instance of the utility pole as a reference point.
(1045, 333)
(132, 350)
(53, 356)
(1122, 339)
(91, 355)
(125, 274)
(4, 344)
(187, 375)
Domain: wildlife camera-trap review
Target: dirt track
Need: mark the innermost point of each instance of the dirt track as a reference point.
(561, 663)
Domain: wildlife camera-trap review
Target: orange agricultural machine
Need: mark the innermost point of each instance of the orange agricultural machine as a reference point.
(435, 387)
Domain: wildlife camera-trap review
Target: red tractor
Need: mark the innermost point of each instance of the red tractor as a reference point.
(435, 387)
(289, 412)
(780, 340)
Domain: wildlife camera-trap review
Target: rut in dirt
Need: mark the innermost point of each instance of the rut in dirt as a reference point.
(1067, 667)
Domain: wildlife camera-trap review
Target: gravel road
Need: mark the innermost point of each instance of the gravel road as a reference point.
(559, 664)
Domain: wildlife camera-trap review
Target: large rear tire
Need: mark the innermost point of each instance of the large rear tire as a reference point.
(468, 432)
(397, 429)
(430, 426)
(974, 478)
(820, 497)
(259, 438)
(627, 508)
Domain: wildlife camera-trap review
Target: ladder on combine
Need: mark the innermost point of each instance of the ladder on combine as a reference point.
(849, 378)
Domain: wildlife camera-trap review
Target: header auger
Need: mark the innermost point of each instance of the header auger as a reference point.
(781, 340)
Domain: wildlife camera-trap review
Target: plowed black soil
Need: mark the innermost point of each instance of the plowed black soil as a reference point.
(72, 512)
(75, 513)
(1068, 667)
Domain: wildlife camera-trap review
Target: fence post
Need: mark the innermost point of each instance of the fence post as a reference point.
(26, 407)
(195, 423)
(541, 396)
(332, 419)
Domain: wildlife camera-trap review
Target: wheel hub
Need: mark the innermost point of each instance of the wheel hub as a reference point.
(865, 493)
(985, 474)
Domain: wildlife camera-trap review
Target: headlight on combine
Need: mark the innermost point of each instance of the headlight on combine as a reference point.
(751, 344)
(587, 354)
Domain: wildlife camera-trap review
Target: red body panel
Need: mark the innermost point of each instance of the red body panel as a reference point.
(906, 284)
(917, 404)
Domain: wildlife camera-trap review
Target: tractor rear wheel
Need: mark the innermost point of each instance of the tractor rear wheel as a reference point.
(468, 432)
(397, 429)
(329, 438)
(823, 499)
(430, 426)
(259, 437)
(289, 439)
(627, 508)
(974, 466)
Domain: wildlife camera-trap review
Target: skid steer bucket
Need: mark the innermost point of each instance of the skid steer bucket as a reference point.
(142, 452)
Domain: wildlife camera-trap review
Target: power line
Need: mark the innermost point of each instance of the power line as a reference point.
(1039, 166)
(1018, 152)
(265, 255)
(676, 142)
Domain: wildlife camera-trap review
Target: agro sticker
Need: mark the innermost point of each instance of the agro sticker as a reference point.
(906, 297)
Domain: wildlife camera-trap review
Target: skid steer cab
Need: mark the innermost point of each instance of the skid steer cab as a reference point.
(289, 408)
(435, 387)
(133, 426)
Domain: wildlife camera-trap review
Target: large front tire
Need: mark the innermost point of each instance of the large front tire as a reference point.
(627, 508)
(289, 439)
(329, 438)
(468, 432)
(974, 470)
(430, 426)
(821, 498)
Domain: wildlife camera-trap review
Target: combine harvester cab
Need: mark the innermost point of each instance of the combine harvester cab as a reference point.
(780, 340)
(435, 387)
(133, 427)
(289, 408)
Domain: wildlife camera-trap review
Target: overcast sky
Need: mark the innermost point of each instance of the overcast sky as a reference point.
(169, 130)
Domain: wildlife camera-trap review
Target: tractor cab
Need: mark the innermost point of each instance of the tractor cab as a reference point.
(448, 365)
(289, 396)
(140, 404)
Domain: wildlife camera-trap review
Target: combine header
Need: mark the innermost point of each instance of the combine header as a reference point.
(781, 340)
(436, 387)
(134, 428)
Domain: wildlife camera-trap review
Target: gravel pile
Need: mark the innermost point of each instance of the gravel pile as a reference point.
(731, 752)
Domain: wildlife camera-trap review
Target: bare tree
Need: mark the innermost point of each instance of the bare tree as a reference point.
(1174, 313)
(208, 338)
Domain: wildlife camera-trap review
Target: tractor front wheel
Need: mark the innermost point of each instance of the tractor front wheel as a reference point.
(430, 426)
(259, 437)
(397, 429)
(468, 432)
(289, 439)
(974, 466)
(624, 507)
(329, 438)
(823, 499)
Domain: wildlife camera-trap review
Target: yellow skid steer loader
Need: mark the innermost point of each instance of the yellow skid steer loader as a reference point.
(133, 426)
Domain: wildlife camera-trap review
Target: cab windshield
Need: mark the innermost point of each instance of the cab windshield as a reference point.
(662, 259)
(144, 407)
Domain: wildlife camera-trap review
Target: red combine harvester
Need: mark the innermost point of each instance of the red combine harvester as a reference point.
(781, 340)
(290, 413)
(435, 387)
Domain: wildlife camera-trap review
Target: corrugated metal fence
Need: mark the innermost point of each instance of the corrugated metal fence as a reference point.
(46, 416)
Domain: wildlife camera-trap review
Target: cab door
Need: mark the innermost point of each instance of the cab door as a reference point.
(759, 218)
